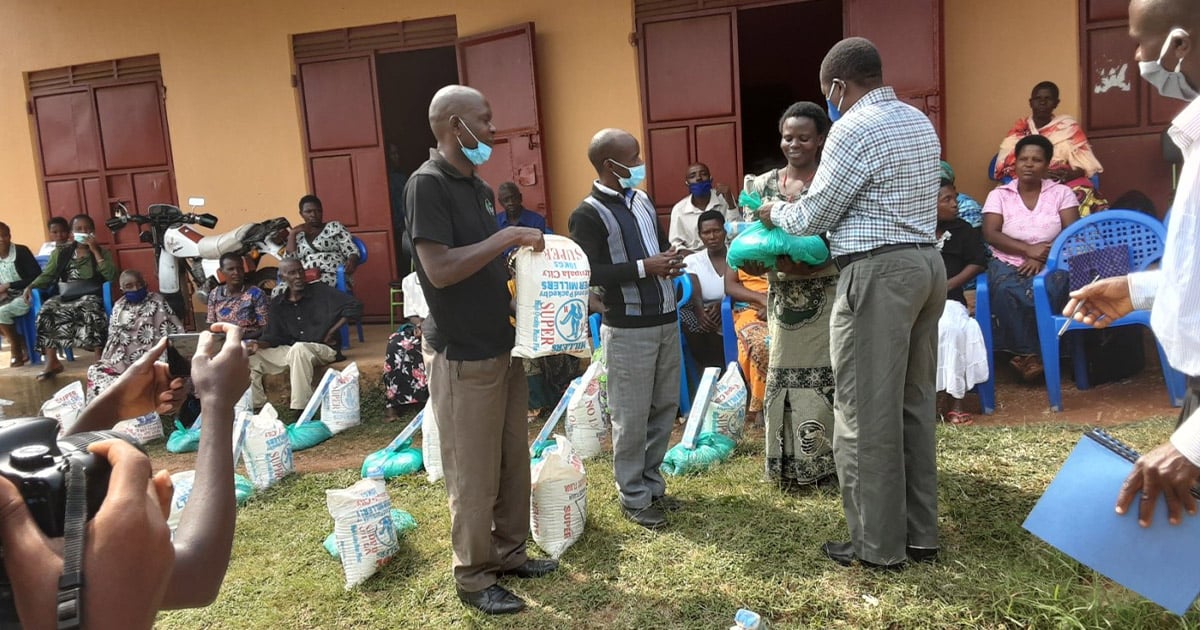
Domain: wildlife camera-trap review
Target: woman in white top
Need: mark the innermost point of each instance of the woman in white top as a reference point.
(706, 270)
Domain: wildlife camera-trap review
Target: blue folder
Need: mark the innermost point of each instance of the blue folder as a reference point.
(1077, 516)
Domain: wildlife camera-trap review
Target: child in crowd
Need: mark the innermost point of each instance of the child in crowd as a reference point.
(962, 357)
(404, 378)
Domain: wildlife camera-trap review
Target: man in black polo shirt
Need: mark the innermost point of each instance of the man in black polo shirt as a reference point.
(478, 390)
(302, 333)
(630, 258)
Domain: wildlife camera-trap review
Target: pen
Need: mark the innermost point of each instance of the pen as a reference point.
(1067, 324)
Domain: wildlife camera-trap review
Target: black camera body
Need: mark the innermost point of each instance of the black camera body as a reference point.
(35, 461)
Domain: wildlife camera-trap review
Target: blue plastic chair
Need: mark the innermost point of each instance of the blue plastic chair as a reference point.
(983, 316)
(687, 369)
(728, 334)
(341, 286)
(1145, 237)
(594, 326)
(29, 328)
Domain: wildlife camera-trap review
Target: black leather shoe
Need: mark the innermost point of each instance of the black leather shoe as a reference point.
(843, 554)
(666, 503)
(649, 517)
(533, 568)
(493, 600)
(922, 554)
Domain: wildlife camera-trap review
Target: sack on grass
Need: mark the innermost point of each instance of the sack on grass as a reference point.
(143, 429)
(65, 406)
(363, 531)
(552, 300)
(183, 482)
(727, 410)
(558, 498)
(402, 522)
(307, 435)
(340, 406)
(266, 450)
(398, 457)
(431, 446)
(587, 428)
(759, 244)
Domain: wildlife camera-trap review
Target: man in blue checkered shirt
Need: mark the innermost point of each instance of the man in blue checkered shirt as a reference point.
(875, 194)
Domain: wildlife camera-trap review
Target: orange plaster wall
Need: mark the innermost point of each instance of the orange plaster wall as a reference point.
(995, 54)
(233, 114)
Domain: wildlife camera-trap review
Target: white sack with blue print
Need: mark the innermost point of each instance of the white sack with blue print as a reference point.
(552, 300)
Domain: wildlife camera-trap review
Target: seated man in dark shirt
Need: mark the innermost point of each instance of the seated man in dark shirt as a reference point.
(302, 333)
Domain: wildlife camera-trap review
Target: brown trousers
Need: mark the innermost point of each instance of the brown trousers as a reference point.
(480, 410)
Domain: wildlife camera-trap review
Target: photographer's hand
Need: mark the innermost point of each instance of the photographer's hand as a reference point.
(127, 549)
(146, 386)
(204, 539)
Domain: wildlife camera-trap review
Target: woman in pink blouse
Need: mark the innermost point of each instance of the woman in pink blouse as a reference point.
(1021, 219)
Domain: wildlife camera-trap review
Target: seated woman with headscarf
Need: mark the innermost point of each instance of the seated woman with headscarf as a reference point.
(1072, 162)
(322, 246)
(139, 319)
(75, 318)
(706, 270)
(1021, 219)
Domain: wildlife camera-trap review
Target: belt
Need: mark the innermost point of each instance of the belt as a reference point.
(844, 260)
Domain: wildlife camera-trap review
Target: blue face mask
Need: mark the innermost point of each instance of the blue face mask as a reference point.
(637, 175)
(700, 189)
(835, 111)
(80, 237)
(480, 153)
(135, 297)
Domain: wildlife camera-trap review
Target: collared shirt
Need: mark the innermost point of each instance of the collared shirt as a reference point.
(309, 319)
(469, 319)
(1039, 225)
(247, 309)
(878, 180)
(1174, 290)
(617, 230)
(685, 232)
(529, 218)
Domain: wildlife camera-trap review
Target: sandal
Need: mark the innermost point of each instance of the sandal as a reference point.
(48, 374)
(533, 414)
(1030, 367)
(958, 418)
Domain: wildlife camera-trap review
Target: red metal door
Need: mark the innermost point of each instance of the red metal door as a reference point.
(687, 120)
(503, 65)
(908, 34)
(343, 142)
(1123, 116)
(101, 140)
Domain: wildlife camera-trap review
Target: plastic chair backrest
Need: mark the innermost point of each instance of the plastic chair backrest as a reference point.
(1144, 235)
(362, 249)
(683, 290)
(992, 168)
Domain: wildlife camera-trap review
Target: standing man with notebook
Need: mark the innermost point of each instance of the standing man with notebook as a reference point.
(1167, 33)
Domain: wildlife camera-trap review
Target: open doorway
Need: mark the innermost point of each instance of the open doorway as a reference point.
(780, 49)
(407, 81)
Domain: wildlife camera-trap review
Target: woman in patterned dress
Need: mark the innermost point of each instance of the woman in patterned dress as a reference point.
(80, 322)
(320, 245)
(139, 319)
(798, 403)
(404, 379)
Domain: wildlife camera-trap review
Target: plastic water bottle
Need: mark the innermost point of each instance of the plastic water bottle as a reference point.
(733, 228)
(746, 620)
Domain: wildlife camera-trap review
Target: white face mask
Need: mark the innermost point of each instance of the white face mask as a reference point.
(1169, 83)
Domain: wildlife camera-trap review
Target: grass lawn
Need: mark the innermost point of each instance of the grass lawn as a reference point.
(738, 542)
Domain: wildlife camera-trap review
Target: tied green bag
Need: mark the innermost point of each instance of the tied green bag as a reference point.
(398, 457)
(758, 244)
(711, 449)
(402, 522)
(307, 435)
(183, 439)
